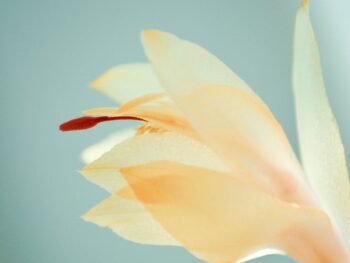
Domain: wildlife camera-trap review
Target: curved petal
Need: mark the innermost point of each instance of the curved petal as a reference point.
(227, 115)
(164, 116)
(142, 100)
(221, 219)
(148, 148)
(243, 131)
(321, 147)
(130, 220)
(125, 82)
(95, 151)
(261, 253)
(184, 64)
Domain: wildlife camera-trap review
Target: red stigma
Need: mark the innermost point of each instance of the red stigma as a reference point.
(87, 122)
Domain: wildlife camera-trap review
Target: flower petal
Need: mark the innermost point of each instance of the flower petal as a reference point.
(148, 148)
(130, 220)
(95, 151)
(164, 116)
(321, 147)
(226, 114)
(184, 65)
(222, 219)
(261, 253)
(126, 82)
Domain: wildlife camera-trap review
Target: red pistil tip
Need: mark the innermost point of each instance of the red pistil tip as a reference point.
(88, 122)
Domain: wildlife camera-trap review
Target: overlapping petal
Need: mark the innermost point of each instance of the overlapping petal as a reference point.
(126, 82)
(221, 219)
(129, 218)
(95, 151)
(156, 109)
(226, 114)
(184, 64)
(148, 148)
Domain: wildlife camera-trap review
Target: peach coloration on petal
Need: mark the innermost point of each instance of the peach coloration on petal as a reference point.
(227, 115)
(222, 219)
(120, 215)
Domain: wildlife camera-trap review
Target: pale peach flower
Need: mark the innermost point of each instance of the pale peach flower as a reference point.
(210, 168)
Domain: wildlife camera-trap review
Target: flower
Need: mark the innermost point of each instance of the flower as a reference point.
(210, 168)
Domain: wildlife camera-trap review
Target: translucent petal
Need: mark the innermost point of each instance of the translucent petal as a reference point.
(320, 142)
(126, 82)
(95, 151)
(221, 219)
(184, 64)
(147, 148)
(142, 100)
(226, 114)
(164, 116)
(245, 133)
(130, 220)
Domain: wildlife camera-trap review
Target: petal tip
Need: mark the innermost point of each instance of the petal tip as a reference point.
(86, 216)
(153, 39)
(150, 34)
(100, 81)
(150, 38)
(82, 171)
(304, 4)
(95, 84)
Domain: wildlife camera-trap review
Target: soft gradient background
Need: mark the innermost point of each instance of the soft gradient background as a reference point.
(49, 52)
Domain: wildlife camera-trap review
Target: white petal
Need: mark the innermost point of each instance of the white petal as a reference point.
(261, 253)
(147, 148)
(95, 151)
(185, 64)
(130, 220)
(320, 143)
(127, 82)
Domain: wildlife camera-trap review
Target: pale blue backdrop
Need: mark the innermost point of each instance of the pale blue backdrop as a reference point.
(49, 52)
